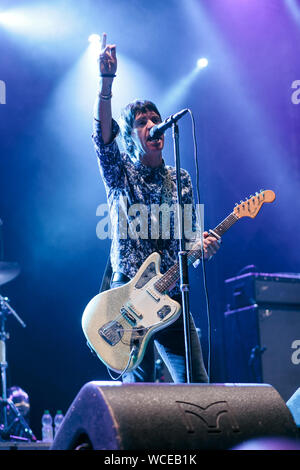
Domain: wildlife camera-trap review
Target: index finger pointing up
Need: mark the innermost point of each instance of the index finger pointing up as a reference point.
(103, 41)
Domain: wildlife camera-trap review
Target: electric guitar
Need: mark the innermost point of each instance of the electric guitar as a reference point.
(118, 323)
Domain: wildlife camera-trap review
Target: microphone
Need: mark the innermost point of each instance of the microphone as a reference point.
(157, 130)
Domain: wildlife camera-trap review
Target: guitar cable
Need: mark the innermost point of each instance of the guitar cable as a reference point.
(202, 257)
(133, 353)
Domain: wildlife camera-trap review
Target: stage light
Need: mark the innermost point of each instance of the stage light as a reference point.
(95, 44)
(13, 19)
(39, 21)
(294, 9)
(202, 63)
(94, 39)
(179, 89)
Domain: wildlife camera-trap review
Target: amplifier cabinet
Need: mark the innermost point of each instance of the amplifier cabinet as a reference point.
(263, 289)
(262, 345)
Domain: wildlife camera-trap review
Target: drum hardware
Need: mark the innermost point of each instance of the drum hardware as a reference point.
(8, 272)
(6, 403)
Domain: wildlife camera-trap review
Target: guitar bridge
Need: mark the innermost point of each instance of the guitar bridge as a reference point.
(111, 332)
(153, 295)
(133, 310)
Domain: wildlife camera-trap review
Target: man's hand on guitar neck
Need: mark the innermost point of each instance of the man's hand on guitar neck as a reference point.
(210, 245)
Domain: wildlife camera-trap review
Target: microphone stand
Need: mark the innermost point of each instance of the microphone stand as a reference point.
(183, 262)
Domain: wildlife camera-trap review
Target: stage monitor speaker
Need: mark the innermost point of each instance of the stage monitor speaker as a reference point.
(116, 416)
(293, 405)
(262, 345)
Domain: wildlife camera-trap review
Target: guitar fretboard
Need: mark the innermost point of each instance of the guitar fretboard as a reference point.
(172, 275)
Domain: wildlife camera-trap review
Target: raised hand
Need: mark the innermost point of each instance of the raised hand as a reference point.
(107, 58)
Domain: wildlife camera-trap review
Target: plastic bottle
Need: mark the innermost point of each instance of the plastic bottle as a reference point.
(47, 427)
(57, 421)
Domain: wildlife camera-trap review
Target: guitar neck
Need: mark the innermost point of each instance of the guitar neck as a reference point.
(172, 275)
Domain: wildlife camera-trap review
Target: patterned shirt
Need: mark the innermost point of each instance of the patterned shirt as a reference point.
(138, 198)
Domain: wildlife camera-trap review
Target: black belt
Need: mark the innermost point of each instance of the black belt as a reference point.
(119, 277)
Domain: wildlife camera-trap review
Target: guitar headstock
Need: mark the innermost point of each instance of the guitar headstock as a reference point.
(251, 206)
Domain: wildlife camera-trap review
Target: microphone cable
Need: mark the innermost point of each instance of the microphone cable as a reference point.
(208, 315)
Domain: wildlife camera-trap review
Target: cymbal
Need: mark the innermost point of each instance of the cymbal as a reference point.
(8, 271)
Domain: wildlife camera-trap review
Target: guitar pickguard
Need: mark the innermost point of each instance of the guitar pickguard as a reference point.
(137, 336)
(148, 274)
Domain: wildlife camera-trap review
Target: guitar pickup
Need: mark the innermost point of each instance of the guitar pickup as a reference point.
(128, 316)
(132, 309)
(153, 295)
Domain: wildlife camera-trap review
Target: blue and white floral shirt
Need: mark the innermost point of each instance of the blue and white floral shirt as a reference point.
(134, 194)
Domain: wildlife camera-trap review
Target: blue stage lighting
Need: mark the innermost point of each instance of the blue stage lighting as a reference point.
(40, 21)
(294, 8)
(202, 63)
(12, 19)
(94, 38)
(94, 45)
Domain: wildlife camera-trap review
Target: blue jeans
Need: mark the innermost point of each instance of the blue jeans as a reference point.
(170, 345)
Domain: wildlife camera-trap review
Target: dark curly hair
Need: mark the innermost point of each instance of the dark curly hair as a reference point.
(127, 118)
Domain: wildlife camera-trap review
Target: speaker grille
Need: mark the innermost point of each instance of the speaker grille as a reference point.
(171, 416)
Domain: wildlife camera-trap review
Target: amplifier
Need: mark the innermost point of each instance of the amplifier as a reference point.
(262, 345)
(263, 288)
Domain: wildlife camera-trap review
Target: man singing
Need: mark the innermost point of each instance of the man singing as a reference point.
(140, 176)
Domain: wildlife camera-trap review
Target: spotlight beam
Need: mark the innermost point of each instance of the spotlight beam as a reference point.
(202, 63)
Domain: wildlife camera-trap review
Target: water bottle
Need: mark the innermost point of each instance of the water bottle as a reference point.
(57, 421)
(47, 427)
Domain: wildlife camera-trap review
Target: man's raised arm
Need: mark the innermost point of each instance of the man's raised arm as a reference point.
(107, 69)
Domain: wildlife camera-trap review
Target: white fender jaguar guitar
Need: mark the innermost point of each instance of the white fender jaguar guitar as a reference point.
(118, 323)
